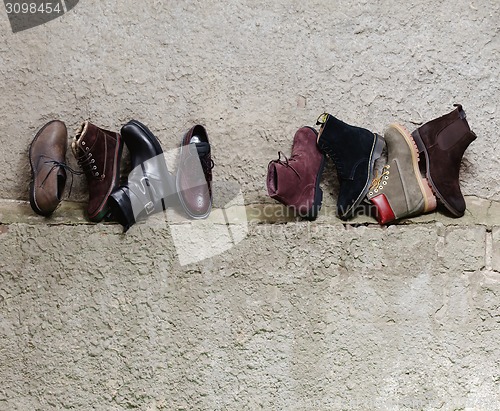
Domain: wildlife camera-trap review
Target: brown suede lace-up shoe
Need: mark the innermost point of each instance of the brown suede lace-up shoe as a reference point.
(294, 181)
(47, 155)
(443, 142)
(98, 153)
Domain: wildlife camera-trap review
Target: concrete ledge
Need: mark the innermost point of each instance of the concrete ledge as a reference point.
(479, 212)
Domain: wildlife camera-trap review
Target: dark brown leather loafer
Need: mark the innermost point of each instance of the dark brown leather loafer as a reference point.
(194, 174)
(47, 156)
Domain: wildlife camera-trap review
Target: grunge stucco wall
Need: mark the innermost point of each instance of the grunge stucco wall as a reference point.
(297, 316)
(253, 72)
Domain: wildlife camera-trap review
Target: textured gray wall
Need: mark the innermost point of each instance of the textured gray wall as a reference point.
(298, 316)
(253, 72)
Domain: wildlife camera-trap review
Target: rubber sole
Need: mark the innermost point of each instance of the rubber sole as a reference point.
(313, 212)
(425, 188)
(421, 147)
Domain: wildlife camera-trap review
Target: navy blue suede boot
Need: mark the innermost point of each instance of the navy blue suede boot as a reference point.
(354, 151)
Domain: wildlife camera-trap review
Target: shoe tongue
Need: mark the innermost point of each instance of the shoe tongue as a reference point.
(203, 148)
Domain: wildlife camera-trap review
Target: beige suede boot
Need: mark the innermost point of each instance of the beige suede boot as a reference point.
(400, 191)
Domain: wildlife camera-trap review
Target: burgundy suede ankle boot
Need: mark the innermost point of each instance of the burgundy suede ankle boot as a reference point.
(443, 142)
(294, 181)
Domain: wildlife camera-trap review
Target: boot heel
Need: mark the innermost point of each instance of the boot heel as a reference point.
(418, 141)
(121, 207)
(312, 214)
(430, 198)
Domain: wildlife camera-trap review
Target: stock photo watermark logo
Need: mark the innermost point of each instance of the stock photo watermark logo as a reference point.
(26, 14)
(151, 192)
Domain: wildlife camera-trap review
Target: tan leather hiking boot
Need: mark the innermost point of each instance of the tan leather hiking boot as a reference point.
(443, 142)
(98, 152)
(400, 191)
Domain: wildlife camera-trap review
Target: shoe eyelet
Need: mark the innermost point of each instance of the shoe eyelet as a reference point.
(94, 168)
(92, 161)
(388, 166)
(376, 190)
(384, 183)
(87, 149)
(96, 174)
(370, 193)
(386, 178)
(83, 143)
(380, 187)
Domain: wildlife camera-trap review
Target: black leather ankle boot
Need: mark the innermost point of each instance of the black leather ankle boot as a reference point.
(150, 187)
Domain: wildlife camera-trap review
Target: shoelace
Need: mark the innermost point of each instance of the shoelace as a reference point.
(333, 155)
(207, 164)
(377, 182)
(57, 164)
(286, 163)
(325, 147)
(87, 162)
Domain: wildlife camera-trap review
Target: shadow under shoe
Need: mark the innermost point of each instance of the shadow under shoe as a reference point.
(294, 181)
(354, 151)
(150, 187)
(443, 142)
(98, 152)
(400, 191)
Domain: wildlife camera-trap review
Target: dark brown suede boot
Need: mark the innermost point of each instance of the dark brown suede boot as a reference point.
(443, 142)
(295, 181)
(98, 152)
